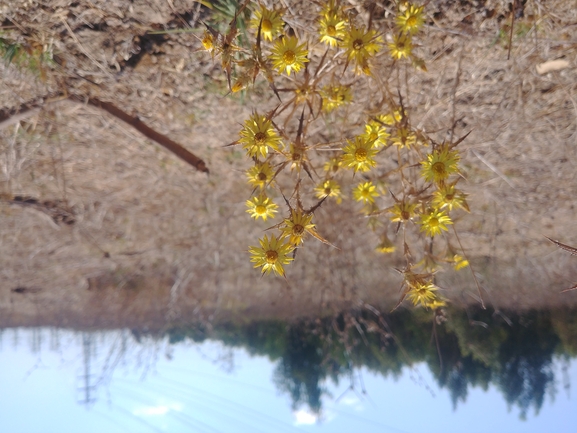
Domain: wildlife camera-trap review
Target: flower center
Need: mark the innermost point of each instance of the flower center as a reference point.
(298, 229)
(439, 168)
(358, 44)
(260, 209)
(261, 176)
(449, 197)
(260, 138)
(289, 57)
(331, 30)
(327, 191)
(412, 21)
(434, 222)
(266, 25)
(271, 256)
(361, 154)
(405, 215)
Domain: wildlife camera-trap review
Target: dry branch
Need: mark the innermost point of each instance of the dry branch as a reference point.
(10, 117)
(161, 139)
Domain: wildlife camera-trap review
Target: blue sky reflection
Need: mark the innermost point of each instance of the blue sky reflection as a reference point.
(156, 387)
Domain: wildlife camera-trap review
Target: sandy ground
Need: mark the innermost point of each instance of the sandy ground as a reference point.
(155, 240)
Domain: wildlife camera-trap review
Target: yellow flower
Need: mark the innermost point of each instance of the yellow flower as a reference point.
(260, 174)
(359, 154)
(271, 255)
(288, 55)
(440, 164)
(401, 46)
(360, 45)
(334, 96)
(296, 227)
(376, 133)
(450, 197)
(423, 294)
(329, 188)
(403, 211)
(272, 23)
(385, 245)
(258, 135)
(365, 192)
(436, 303)
(207, 41)
(333, 165)
(434, 221)
(391, 118)
(411, 19)
(459, 262)
(261, 207)
(331, 8)
(332, 29)
(403, 136)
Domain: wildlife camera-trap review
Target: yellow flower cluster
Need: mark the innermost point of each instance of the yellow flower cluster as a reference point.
(320, 144)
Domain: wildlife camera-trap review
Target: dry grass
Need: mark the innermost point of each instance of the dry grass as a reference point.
(161, 222)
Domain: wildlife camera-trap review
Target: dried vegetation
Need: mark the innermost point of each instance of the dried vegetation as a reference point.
(145, 221)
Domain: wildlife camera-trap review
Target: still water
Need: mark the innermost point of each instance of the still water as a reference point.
(342, 374)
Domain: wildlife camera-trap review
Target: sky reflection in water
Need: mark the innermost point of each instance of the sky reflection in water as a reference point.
(60, 381)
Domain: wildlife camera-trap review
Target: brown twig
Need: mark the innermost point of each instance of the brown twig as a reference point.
(161, 139)
(8, 118)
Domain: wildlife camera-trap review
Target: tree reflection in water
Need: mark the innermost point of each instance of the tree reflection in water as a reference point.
(512, 351)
